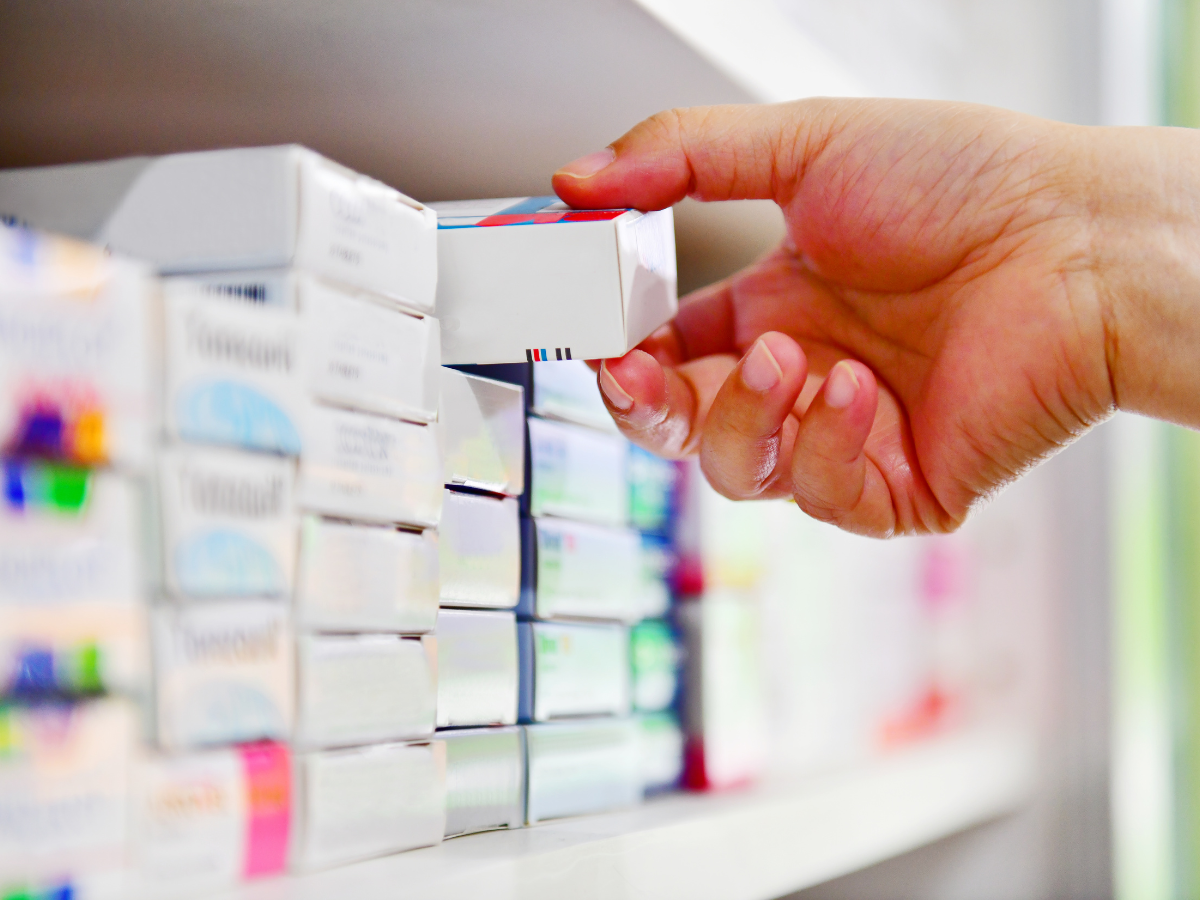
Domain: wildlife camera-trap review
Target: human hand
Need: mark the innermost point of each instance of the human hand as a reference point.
(940, 317)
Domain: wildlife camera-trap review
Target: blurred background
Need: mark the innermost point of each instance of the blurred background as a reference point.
(1069, 609)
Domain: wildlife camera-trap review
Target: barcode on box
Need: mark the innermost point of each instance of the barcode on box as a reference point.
(541, 355)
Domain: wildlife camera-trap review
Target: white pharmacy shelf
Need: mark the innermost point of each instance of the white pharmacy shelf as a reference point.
(752, 845)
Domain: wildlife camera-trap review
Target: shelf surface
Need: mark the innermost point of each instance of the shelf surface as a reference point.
(752, 845)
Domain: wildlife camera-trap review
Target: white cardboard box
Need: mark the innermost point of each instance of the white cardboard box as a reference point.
(480, 551)
(362, 689)
(726, 705)
(581, 767)
(485, 779)
(368, 801)
(573, 669)
(356, 577)
(578, 473)
(229, 527)
(77, 375)
(586, 572)
(568, 391)
(360, 352)
(528, 278)
(660, 750)
(359, 466)
(64, 792)
(235, 372)
(483, 432)
(477, 678)
(206, 820)
(246, 208)
(223, 673)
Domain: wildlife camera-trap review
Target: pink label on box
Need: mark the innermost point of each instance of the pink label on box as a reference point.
(269, 788)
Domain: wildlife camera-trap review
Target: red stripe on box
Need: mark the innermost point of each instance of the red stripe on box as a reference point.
(521, 219)
(593, 215)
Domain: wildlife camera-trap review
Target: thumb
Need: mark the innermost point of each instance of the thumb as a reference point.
(751, 152)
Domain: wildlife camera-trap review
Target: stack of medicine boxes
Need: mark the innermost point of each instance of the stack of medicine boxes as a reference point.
(584, 583)
(301, 374)
(76, 413)
(483, 429)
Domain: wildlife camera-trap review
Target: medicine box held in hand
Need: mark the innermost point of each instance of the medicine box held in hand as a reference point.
(246, 208)
(531, 279)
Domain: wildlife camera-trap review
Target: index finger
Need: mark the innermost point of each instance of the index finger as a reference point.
(752, 152)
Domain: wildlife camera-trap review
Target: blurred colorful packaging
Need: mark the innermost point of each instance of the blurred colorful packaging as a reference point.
(72, 599)
(76, 352)
(229, 524)
(725, 700)
(234, 372)
(65, 774)
(660, 751)
(652, 491)
(656, 657)
(224, 673)
(204, 821)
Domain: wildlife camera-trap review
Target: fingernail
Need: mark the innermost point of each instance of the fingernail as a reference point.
(616, 394)
(587, 166)
(841, 386)
(760, 371)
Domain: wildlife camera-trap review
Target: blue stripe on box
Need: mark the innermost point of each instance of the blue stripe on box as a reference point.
(525, 661)
(527, 604)
(526, 206)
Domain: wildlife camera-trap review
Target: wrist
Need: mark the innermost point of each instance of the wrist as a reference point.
(1146, 251)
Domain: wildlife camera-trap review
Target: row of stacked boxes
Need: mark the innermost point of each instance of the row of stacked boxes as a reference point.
(277, 555)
